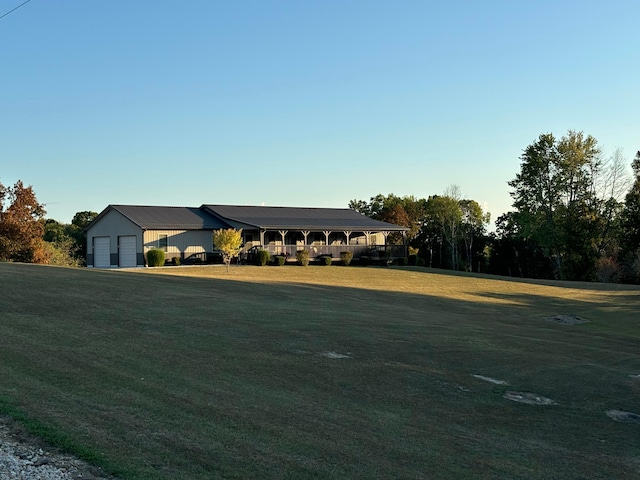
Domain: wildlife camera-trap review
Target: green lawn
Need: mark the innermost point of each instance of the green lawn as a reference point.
(196, 373)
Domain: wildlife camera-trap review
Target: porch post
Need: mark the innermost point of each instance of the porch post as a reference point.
(283, 233)
(305, 234)
(326, 236)
(347, 233)
(385, 235)
(262, 237)
(366, 236)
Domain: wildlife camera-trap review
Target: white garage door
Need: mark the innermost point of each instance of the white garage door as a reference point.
(101, 252)
(127, 251)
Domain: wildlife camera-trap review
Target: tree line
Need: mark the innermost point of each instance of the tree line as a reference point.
(27, 236)
(576, 216)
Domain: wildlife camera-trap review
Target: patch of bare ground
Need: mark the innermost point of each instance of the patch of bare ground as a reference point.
(620, 416)
(567, 319)
(489, 379)
(528, 398)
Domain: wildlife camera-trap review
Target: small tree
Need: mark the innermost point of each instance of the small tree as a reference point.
(228, 241)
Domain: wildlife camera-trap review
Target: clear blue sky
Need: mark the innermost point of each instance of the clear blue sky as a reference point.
(303, 103)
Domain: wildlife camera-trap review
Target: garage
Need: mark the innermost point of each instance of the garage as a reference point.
(127, 251)
(101, 252)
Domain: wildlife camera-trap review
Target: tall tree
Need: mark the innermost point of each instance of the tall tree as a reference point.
(472, 227)
(407, 211)
(21, 224)
(443, 218)
(556, 203)
(630, 226)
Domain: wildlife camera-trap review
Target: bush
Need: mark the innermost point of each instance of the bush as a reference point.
(607, 270)
(155, 258)
(176, 261)
(413, 259)
(263, 257)
(346, 258)
(402, 261)
(302, 256)
(364, 260)
(325, 260)
(279, 260)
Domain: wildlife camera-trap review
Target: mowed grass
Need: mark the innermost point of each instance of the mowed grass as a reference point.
(196, 373)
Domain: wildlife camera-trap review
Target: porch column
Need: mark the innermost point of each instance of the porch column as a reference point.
(347, 233)
(366, 236)
(283, 234)
(326, 236)
(305, 234)
(385, 235)
(262, 237)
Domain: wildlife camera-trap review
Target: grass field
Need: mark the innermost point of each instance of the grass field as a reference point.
(322, 372)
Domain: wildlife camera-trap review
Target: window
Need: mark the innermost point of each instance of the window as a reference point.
(162, 242)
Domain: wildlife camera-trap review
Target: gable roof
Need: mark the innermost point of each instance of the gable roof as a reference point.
(299, 218)
(167, 218)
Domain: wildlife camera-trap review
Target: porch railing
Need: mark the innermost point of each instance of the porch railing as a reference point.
(373, 251)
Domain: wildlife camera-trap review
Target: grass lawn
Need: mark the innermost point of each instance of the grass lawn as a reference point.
(322, 372)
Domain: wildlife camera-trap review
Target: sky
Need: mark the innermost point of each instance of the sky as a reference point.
(301, 102)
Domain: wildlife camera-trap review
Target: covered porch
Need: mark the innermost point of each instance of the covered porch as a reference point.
(373, 244)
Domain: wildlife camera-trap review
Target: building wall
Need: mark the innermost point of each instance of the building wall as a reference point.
(180, 243)
(113, 225)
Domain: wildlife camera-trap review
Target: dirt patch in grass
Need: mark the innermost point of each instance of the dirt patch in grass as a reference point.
(333, 355)
(620, 416)
(528, 398)
(489, 379)
(567, 319)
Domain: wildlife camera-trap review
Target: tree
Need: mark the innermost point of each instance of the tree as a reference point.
(472, 227)
(629, 236)
(557, 204)
(228, 241)
(442, 221)
(406, 211)
(21, 224)
(77, 231)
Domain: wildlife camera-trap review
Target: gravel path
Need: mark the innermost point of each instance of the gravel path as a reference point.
(24, 457)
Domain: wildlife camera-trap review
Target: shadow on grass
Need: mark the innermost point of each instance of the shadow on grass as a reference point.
(179, 377)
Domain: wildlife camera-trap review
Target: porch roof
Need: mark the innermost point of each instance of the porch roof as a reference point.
(299, 218)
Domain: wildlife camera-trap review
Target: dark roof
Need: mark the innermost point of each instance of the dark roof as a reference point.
(169, 218)
(288, 218)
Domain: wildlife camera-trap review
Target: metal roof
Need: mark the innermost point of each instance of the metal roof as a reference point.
(300, 218)
(169, 218)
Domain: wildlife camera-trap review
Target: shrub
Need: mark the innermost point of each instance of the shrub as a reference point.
(413, 259)
(607, 270)
(176, 261)
(155, 258)
(364, 260)
(402, 261)
(302, 256)
(279, 260)
(413, 251)
(346, 257)
(263, 257)
(325, 259)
